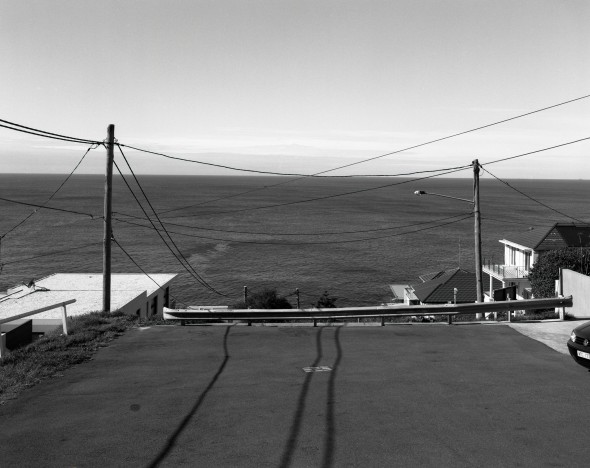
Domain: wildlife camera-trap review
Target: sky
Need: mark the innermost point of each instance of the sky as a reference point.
(297, 85)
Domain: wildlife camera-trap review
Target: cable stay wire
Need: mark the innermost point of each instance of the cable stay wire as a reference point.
(50, 197)
(461, 216)
(57, 252)
(327, 197)
(142, 270)
(534, 199)
(45, 134)
(180, 257)
(290, 234)
(63, 210)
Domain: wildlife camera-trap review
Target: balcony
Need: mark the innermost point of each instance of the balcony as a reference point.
(505, 271)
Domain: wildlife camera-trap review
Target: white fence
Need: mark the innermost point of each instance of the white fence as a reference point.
(64, 317)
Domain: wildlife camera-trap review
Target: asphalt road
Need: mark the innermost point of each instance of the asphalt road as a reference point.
(402, 395)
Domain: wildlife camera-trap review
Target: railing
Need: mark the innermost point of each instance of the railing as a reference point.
(381, 312)
(506, 271)
(64, 316)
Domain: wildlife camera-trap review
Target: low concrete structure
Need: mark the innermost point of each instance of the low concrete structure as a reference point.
(576, 285)
(135, 294)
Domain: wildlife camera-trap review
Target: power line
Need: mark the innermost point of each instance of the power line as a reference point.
(180, 256)
(42, 133)
(294, 234)
(51, 197)
(349, 241)
(459, 133)
(284, 182)
(57, 252)
(326, 197)
(532, 198)
(177, 256)
(368, 159)
(49, 208)
(535, 151)
(141, 269)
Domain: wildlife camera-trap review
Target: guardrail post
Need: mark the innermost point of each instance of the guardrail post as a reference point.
(382, 320)
(2, 345)
(315, 322)
(450, 319)
(64, 318)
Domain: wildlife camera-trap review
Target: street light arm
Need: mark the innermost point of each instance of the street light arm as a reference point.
(422, 192)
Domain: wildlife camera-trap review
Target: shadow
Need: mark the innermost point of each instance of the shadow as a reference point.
(298, 417)
(330, 435)
(172, 439)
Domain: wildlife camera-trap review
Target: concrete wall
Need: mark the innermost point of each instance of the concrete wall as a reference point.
(136, 306)
(577, 286)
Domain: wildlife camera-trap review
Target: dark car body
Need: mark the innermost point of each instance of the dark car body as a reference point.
(579, 344)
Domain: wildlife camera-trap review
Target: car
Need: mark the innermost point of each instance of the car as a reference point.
(579, 344)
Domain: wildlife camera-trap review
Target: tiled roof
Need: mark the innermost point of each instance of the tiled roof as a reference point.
(558, 236)
(440, 290)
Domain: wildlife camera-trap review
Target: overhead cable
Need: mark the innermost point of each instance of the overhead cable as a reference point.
(534, 199)
(180, 255)
(50, 197)
(275, 185)
(45, 207)
(292, 234)
(326, 197)
(140, 268)
(461, 216)
(42, 133)
(536, 151)
(57, 252)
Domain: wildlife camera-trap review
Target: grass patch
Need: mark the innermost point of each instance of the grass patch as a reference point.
(54, 352)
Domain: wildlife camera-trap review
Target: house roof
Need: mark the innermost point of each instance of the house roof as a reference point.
(438, 288)
(86, 288)
(557, 236)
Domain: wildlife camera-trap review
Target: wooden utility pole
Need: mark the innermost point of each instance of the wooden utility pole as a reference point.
(298, 303)
(477, 233)
(108, 230)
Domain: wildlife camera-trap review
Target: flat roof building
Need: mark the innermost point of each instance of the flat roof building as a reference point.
(135, 294)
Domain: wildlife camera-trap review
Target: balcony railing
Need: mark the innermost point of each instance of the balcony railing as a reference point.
(505, 271)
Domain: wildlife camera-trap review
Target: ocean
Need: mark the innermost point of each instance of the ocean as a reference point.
(257, 232)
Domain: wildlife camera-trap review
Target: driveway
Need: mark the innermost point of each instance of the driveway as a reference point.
(401, 395)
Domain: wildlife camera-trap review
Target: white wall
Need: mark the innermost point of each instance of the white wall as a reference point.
(577, 286)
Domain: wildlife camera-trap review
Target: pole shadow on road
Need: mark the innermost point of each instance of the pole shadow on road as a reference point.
(172, 439)
(329, 436)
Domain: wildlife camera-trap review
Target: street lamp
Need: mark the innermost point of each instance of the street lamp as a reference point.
(477, 227)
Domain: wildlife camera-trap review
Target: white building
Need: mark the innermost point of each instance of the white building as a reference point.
(135, 294)
(522, 251)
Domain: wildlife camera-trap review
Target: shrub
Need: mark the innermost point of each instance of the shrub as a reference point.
(265, 299)
(546, 270)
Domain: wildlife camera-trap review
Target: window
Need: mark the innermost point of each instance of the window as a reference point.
(512, 255)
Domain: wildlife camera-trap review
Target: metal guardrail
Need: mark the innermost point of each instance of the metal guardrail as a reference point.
(382, 312)
(64, 316)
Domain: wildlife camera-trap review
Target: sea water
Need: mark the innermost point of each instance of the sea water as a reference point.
(351, 237)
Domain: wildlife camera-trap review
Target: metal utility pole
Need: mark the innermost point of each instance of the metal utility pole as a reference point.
(108, 230)
(477, 233)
